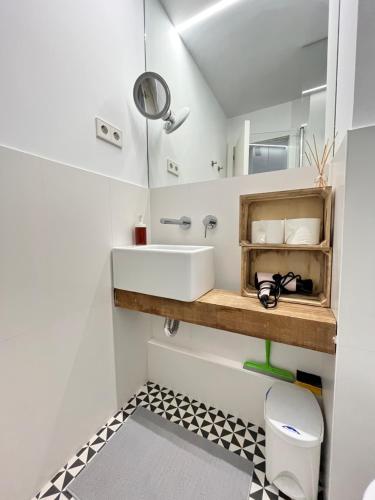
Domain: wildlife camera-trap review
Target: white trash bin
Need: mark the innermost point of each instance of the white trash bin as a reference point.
(294, 433)
(370, 491)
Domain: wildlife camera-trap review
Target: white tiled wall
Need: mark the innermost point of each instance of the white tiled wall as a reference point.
(64, 369)
(353, 434)
(221, 198)
(337, 180)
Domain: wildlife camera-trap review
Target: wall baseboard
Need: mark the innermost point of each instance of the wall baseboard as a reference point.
(220, 382)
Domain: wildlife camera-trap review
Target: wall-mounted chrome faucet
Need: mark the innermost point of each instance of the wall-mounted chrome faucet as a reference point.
(184, 222)
(209, 222)
(214, 164)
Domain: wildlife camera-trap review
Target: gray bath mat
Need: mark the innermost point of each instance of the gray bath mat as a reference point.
(150, 458)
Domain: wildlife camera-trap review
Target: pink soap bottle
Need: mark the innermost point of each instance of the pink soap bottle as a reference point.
(140, 232)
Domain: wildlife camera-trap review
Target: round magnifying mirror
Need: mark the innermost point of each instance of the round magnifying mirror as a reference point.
(151, 95)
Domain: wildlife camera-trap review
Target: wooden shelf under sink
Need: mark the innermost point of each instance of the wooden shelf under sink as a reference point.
(294, 324)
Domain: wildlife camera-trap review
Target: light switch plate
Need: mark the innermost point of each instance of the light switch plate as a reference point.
(108, 132)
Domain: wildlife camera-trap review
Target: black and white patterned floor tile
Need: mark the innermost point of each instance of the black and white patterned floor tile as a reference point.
(245, 439)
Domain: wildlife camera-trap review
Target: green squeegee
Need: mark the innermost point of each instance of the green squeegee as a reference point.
(267, 368)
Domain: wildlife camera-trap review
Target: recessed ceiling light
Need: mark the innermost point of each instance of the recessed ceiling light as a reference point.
(313, 90)
(205, 14)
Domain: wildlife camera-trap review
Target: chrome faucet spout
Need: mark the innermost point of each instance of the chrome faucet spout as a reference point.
(184, 222)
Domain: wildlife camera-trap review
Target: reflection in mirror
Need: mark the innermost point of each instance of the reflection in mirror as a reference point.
(254, 77)
(151, 95)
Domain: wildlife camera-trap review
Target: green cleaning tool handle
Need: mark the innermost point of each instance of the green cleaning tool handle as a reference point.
(268, 353)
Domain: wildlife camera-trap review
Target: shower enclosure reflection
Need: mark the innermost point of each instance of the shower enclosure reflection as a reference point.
(254, 77)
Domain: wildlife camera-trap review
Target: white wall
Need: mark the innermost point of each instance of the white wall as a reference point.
(350, 406)
(364, 103)
(346, 67)
(355, 69)
(66, 365)
(332, 56)
(337, 180)
(316, 122)
(62, 64)
(202, 138)
(354, 406)
(221, 198)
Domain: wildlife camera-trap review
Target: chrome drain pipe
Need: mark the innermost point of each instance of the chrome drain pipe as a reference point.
(171, 327)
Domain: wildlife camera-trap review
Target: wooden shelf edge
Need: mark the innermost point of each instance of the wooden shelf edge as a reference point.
(322, 247)
(294, 324)
(295, 193)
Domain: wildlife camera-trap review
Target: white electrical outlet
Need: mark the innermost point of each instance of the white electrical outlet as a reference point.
(108, 132)
(173, 168)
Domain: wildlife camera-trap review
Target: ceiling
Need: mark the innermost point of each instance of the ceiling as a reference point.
(180, 10)
(257, 53)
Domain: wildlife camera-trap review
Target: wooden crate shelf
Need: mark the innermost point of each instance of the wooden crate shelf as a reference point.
(303, 326)
(310, 261)
(315, 264)
(297, 203)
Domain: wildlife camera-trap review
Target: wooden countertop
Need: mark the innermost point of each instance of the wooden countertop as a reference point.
(310, 327)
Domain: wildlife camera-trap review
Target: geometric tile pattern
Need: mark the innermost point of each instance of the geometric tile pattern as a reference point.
(242, 438)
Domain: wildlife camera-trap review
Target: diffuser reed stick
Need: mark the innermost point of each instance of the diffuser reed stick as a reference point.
(320, 162)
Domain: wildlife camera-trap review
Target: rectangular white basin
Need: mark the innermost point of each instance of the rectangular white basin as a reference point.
(178, 272)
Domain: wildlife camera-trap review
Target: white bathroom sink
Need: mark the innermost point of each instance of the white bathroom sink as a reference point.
(178, 272)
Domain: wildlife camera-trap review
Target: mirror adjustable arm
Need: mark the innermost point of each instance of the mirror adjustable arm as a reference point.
(168, 116)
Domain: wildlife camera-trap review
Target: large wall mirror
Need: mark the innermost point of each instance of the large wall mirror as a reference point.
(252, 73)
